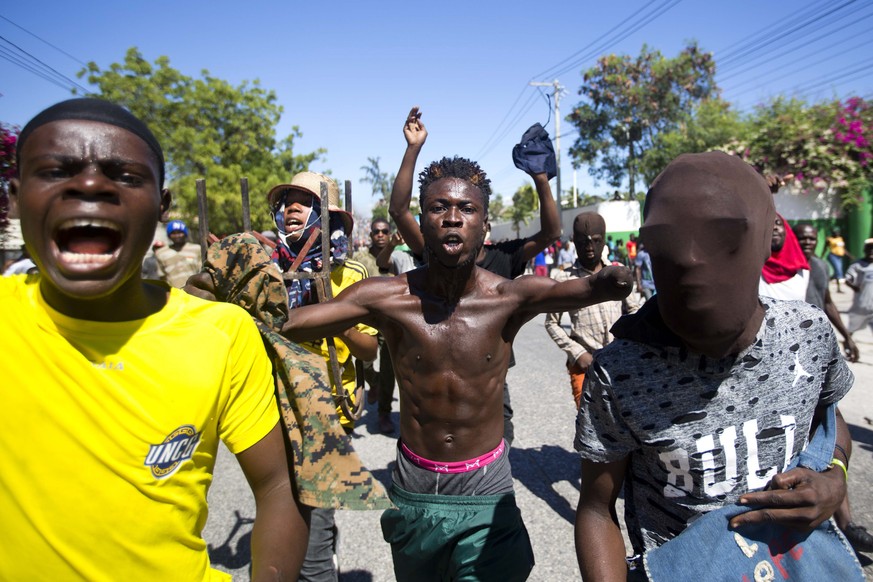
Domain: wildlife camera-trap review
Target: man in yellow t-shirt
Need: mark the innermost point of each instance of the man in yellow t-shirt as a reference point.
(835, 250)
(116, 390)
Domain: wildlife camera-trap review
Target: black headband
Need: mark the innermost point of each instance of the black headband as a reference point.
(91, 109)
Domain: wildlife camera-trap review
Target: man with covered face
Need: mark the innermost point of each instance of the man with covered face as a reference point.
(589, 326)
(709, 391)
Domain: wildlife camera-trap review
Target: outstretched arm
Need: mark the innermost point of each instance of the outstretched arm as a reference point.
(401, 194)
(332, 318)
(280, 534)
(544, 295)
(383, 261)
(600, 548)
(362, 346)
(550, 222)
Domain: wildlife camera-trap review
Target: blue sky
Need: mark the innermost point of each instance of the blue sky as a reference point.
(347, 73)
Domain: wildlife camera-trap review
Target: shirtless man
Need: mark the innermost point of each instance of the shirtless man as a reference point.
(506, 258)
(449, 326)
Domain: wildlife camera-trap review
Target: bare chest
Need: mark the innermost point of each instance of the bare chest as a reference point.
(435, 335)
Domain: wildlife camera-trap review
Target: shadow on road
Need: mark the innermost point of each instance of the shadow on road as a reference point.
(539, 470)
(356, 576)
(862, 435)
(240, 556)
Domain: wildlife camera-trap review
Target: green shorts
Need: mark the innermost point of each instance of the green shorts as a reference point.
(457, 537)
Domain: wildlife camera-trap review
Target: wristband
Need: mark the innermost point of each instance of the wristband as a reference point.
(842, 450)
(836, 462)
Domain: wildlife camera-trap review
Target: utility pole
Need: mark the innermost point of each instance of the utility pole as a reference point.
(558, 90)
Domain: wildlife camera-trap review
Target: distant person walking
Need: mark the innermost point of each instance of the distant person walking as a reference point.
(589, 326)
(643, 273)
(836, 253)
(180, 259)
(860, 278)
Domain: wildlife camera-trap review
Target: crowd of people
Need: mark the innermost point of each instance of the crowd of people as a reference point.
(126, 363)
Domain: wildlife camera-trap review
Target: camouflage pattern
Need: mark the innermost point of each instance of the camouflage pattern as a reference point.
(327, 471)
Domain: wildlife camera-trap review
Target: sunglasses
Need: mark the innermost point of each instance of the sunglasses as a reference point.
(380, 231)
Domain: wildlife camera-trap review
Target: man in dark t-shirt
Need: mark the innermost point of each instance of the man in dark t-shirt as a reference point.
(506, 259)
(817, 292)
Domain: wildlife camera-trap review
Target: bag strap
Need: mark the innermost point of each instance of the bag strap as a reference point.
(820, 450)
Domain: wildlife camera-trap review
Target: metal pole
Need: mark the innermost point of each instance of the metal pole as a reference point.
(247, 213)
(575, 191)
(348, 208)
(558, 138)
(556, 92)
(202, 215)
(325, 245)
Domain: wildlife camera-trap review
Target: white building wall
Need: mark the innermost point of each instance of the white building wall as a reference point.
(620, 216)
(794, 204)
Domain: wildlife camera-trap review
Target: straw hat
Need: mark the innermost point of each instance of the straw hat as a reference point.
(310, 182)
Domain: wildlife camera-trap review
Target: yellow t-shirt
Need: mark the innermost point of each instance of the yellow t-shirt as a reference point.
(345, 275)
(836, 245)
(110, 430)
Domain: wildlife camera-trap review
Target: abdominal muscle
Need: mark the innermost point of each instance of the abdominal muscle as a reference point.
(444, 419)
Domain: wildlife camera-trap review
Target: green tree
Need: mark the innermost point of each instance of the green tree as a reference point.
(628, 101)
(381, 182)
(524, 204)
(497, 209)
(208, 129)
(710, 124)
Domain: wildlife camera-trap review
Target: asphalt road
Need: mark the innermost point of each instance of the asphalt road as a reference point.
(544, 465)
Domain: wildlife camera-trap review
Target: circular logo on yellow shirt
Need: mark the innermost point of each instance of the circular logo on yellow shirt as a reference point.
(165, 457)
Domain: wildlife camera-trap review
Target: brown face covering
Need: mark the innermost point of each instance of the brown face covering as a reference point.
(708, 224)
(586, 225)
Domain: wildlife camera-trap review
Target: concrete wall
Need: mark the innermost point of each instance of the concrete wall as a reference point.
(795, 205)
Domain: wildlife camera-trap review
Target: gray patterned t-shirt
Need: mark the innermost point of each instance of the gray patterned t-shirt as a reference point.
(701, 432)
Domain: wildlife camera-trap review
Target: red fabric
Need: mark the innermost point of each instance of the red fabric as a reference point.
(787, 261)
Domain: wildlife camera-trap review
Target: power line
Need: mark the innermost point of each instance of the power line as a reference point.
(845, 72)
(767, 30)
(644, 21)
(641, 21)
(60, 50)
(548, 72)
(791, 48)
(838, 77)
(802, 59)
(33, 61)
(502, 121)
(7, 55)
(769, 40)
(804, 65)
(528, 105)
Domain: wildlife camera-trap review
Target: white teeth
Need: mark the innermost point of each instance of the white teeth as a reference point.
(94, 222)
(81, 259)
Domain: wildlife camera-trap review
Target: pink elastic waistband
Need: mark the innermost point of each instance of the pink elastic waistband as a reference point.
(456, 466)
